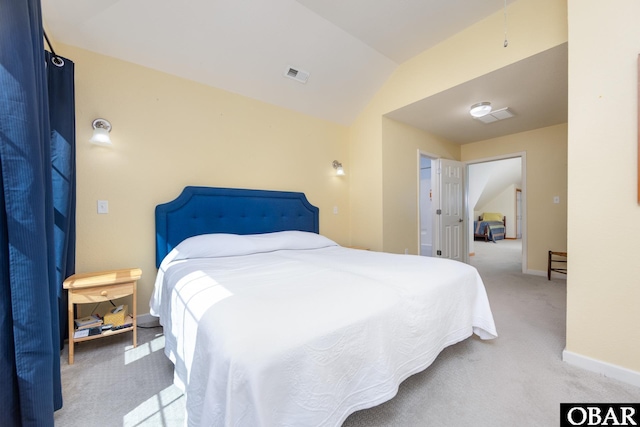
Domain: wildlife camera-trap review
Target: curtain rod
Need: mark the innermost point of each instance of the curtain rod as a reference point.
(53, 52)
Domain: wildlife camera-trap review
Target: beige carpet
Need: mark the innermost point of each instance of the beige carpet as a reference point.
(516, 379)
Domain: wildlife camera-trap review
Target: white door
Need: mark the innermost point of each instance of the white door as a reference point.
(451, 212)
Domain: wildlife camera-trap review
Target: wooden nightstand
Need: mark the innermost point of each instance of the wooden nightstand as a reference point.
(97, 287)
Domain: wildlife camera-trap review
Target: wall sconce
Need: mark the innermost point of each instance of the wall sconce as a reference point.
(338, 167)
(101, 129)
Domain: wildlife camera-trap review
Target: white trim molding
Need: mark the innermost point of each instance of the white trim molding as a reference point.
(604, 368)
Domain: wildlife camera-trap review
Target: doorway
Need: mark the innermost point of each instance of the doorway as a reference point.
(498, 185)
(442, 208)
(426, 205)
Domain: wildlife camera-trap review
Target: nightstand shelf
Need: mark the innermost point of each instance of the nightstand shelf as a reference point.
(104, 334)
(99, 287)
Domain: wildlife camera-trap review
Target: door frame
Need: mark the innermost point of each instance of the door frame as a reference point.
(523, 158)
(519, 214)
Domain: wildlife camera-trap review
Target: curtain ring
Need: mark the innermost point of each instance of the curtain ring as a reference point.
(57, 61)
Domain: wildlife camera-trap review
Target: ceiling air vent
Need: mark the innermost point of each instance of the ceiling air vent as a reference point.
(496, 115)
(296, 74)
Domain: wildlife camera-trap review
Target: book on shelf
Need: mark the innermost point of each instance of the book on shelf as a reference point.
(90, 325)
(88, 322)
(81, 333)
(87, 332)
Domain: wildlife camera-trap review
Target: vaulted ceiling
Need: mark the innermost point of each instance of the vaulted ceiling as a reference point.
(348, 47)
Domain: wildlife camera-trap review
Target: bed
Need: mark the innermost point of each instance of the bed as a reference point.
(269, 323)
(490, 227)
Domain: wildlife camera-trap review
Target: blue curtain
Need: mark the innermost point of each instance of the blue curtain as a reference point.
(31, 266)
(60, 82)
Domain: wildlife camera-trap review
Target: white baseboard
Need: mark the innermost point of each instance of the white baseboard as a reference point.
(598, 366)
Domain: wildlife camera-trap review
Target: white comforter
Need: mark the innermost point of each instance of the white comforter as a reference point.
(266, 336)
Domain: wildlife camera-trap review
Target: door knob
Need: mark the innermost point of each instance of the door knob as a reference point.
(460, 220)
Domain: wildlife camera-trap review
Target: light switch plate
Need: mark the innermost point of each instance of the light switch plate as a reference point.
(103, 206)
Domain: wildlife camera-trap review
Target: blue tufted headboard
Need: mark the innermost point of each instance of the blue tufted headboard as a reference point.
(203, 210)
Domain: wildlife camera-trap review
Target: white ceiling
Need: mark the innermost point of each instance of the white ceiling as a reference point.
(492, 178)
(350, 47)
(535, 90)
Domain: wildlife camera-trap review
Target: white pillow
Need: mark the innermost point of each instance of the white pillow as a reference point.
(221, 244)
(292, 240)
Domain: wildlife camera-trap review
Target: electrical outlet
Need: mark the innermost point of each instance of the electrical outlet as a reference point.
(556, 199)
(335, 210)
(103, 206)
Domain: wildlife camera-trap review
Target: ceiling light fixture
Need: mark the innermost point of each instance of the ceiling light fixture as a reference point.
(338, 167)
(480, 109)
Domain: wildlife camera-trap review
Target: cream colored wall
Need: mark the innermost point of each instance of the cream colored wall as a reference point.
(603, 284)
(365, 177)
(546, 177)
(534, 26)
(401, 172)
(170, 132)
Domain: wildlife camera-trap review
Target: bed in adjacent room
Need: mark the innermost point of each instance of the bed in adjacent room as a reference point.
(490, 227)
(269, 323)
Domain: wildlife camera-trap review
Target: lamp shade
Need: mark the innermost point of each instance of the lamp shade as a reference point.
(100, 137)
